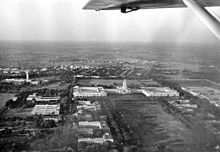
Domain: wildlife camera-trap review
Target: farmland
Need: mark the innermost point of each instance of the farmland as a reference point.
(155, 129)
(197, 83)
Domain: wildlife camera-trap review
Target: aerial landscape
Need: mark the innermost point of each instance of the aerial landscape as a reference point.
(108, 97)
(73, 80)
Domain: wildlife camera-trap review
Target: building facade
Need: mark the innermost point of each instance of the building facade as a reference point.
(89, 91)
(159, 92)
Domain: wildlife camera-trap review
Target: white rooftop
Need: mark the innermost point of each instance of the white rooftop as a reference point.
(46, 110)
(92, 123)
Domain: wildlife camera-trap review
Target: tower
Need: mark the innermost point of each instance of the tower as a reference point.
(27, 75)
(125, 87)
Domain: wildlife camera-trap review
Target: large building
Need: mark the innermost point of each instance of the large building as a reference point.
(47, 110)
(89, 91)
(91, 124)
(159, 92)
(42, 99)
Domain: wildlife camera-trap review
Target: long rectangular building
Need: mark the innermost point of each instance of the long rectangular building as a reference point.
(89, 91)
(46, 110)
(42, 99)
(159, 92)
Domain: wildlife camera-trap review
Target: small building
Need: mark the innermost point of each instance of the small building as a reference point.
(217, 104)
(190, 91)
(82, 102)
(99, 140)
(35, 82)
(91, 124)
(189, 105)
(89, 92)
(85, 117)
(54, 118)
(88, 103)
(86, 107)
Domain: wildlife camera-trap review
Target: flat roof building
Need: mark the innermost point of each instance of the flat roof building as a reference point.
(99, 140)
(89, 91)
(86, 107)
(82, 102)
(92, 124)
(159, 92)
(41, 99)
(46, 110)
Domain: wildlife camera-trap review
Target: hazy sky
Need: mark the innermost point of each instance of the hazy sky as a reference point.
(66, 21)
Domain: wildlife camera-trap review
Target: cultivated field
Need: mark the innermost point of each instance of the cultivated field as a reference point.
(197, 83)
(153, 128)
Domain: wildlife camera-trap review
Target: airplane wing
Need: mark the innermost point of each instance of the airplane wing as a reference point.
(197, 6)
(142, 4)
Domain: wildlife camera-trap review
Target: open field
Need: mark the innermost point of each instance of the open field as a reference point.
(197, 83)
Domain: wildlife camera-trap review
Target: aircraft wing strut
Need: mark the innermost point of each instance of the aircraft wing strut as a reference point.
(205, 16)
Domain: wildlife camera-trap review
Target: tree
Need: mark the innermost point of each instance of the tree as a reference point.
(9, 103)
(38, 120)
(48, 124)
(6, 131)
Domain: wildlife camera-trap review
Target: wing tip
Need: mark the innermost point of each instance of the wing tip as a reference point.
(86, 7)
(94, 5)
